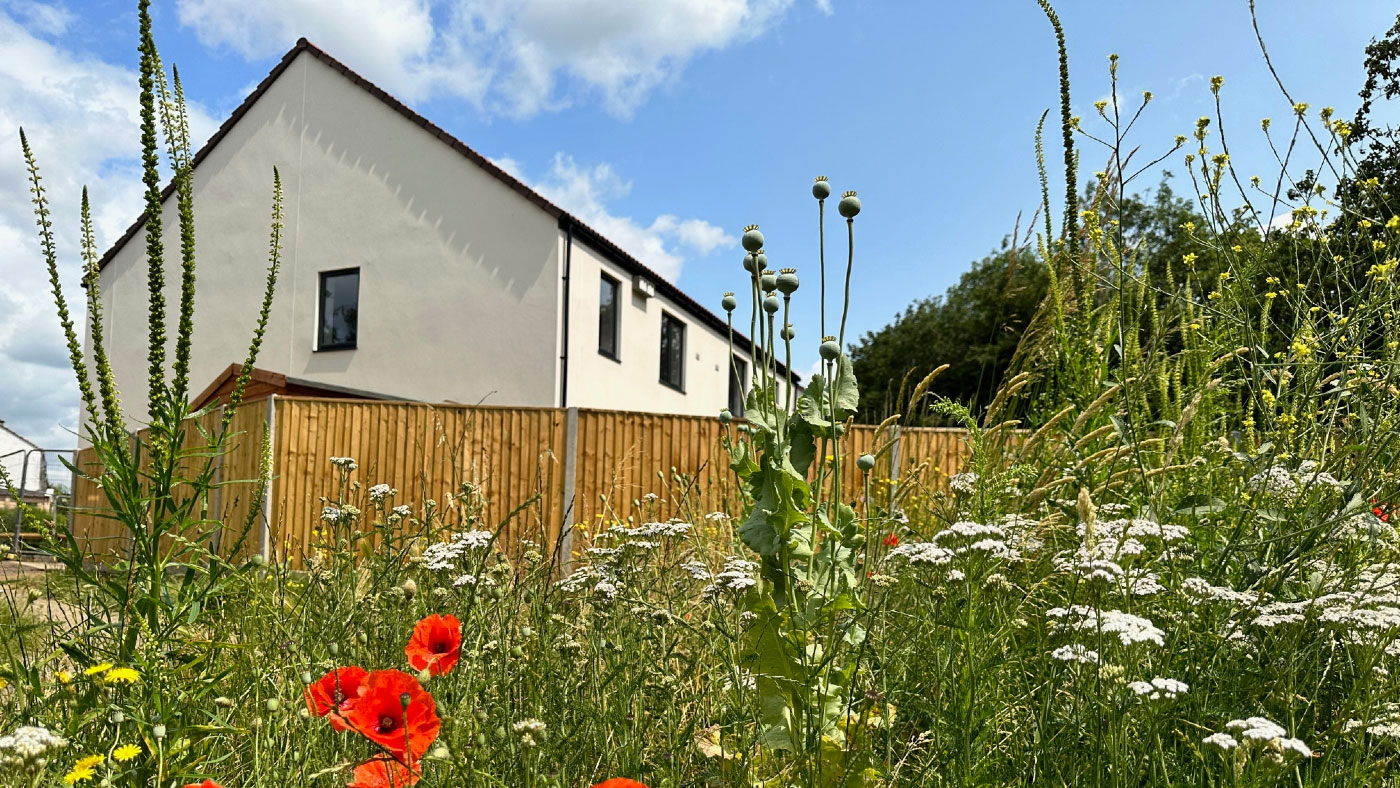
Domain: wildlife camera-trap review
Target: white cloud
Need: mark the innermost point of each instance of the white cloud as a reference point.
(663, 245)
(81, 118)
(517, 57)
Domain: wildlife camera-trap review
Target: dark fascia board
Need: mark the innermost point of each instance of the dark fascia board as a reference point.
(565, 219)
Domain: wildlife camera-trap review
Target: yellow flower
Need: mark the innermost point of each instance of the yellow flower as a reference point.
(4, 683)
(96, 669)
(126, 752)
(64, 677)
(89, 762)
(78, 775)
(121, 676)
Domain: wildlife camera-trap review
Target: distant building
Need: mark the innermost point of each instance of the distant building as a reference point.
(23, 462)
(413, 268)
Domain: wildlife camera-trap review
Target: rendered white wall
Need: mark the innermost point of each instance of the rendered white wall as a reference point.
(459, 273)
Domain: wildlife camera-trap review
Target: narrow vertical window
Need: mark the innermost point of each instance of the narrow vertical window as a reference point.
(672, 352)
(738, 376)
(608, 314)
(340, 309)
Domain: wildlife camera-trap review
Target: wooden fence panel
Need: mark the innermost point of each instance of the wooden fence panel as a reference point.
(514, 456)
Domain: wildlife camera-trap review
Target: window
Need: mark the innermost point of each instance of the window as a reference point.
(608, 313)
(738, 375)
(340, 309)
(672, 352)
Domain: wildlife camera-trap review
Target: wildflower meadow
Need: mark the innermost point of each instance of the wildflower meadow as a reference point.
(1169, 558)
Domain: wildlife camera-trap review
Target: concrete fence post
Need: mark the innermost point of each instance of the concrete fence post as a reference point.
(566, 539)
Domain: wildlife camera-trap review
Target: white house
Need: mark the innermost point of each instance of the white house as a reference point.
(23, 461)
(412, 268)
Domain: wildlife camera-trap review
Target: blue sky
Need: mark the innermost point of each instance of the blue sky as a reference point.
(670, 125)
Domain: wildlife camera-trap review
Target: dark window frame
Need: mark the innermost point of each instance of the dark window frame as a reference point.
(668, 319)
(616, 353)
(321, 345)
(738, 372)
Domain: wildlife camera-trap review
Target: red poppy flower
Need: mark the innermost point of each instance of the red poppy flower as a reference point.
(619, 782)
(395, 711)
(436, 644)
(208, 783)
(892, 540)
(335, 693)
(1382, 511)
(382, 772)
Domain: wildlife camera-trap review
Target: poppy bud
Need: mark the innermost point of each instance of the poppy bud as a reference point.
(789, 333)
(829, 350)
(820, 188)
(440, 753)
(865, 462)
(306, 677)
(157, 732)
(334, 648)
(118, 717)
(273, 705)
(481, 740)
(725, 416)
(787, 281)
(768, 281)
(729, 302)
(479, 713)
(424, 675)
(849, 205)
(839, 430)
(771, 304)
(858, 540)
(517, 652)
(361, 637)
(753, 239)
(526, 632)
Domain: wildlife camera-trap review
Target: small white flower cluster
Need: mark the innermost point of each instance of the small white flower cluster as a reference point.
(443, 556)
(346, 464)
(1201, 590)
(1283, 484)
(1075, 652)
(963, 483)
(331, 514)
(965, 537)
(716, 517)
(1158, 689)
(1128, 628)
(464, 579)
(1365, 528)
(736, 576)
(401, 512)
(1385, 723)
(379, 492)
(921, 553)
(1262, 733)
(597, 580)
(531, 731)
(28, 745)
(646, 530)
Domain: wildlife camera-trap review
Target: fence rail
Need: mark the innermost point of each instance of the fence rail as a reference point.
(539, 470)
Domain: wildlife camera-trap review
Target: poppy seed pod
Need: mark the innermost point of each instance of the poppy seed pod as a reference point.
(829, 350)
(789, 333)
(865, 462)
(751, 263)
(839, 430)
(157, 732)
(753, 239)
(729, 302)
(849, 205)
(787, 281)
(771, 304)
(768, 281)
(725, 416)
(273, 705)
(820, 188)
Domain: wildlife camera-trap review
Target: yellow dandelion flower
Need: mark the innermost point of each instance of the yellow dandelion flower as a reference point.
(126, 752)
(64, 677)
(96, 669)
(78, 775)
(121, 676)
(89, 762)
